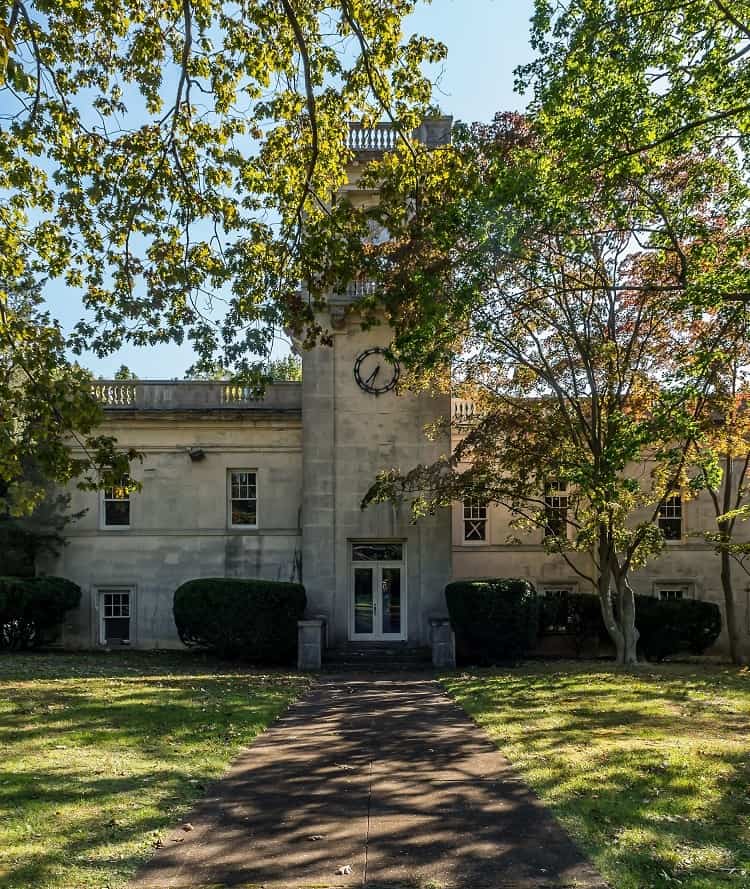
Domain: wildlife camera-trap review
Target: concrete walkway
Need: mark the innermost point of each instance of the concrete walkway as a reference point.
(384, 775)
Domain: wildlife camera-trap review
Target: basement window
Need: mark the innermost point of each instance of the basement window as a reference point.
(672, 592)
(114, 610)
(555, 612)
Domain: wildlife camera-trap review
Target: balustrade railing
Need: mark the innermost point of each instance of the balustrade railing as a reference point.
(114, 394)
(360, 289)
(194, 395)
(381, 137)
(463, 411)
(384, 136)
(233, 394)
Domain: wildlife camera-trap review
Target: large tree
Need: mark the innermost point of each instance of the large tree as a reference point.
(721, 462)
(48, 416)
(565, 311)
(623, 84)
(159, 158)
(161, 155)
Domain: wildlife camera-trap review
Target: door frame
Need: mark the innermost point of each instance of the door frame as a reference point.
(377, 567)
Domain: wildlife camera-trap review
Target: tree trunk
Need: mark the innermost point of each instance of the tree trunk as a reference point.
(622, 638)
(730, 608)
(626, 601)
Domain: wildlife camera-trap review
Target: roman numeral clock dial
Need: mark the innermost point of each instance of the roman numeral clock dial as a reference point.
(376, 371)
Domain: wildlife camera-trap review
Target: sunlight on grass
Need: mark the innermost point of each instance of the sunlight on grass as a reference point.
(649, 769)
(102, 752)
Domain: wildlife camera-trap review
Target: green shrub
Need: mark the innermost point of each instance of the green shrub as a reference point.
(32, 609)
(675, 626)
(250, 619)
(666, 627)
(495, 620)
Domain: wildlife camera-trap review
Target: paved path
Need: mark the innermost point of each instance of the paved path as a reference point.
(386, 775)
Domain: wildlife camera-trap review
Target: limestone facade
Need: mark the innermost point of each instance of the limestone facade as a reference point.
(294, 467)
(312, 449)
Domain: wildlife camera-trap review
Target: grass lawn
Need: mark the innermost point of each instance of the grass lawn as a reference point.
(102, 752)
(649, 769)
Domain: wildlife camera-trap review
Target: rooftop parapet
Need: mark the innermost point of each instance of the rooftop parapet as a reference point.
(372, 141)
(190, 395)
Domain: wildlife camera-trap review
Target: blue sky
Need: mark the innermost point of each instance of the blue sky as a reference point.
(486, 40)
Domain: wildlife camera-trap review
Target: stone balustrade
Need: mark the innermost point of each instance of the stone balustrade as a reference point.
(167, 395)
(384, 137)
(463, 411)
(360, 289)
(195, 395)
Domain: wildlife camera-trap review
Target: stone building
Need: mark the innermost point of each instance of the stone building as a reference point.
(271, 488)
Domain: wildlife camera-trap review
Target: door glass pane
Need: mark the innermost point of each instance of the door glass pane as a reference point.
(391, 600)
(363, 600)
(377, 552)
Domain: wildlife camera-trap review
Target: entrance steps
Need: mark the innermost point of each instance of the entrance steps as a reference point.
(376, 657)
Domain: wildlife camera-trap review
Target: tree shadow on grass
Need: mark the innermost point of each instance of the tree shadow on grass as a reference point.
(102, 753)
(650, 767)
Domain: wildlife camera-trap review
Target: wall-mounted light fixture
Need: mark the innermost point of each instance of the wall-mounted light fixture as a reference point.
(196, 454)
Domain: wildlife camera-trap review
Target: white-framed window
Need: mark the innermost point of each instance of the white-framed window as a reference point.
(242, 489)
(556, 509)
(115, 615)
(475, 521)
(115, 506)
(670, 518)
(555, 611)
(671, 592)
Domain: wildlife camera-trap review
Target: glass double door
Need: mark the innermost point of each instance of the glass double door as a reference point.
(378, 595)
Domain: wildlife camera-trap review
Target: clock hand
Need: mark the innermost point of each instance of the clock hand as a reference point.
(372, 376)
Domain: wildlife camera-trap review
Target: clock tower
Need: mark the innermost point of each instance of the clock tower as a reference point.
(372, 574)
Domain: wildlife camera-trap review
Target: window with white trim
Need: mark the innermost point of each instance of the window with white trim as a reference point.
(556, 509)
(243, 498)
(670, 518)
(116, 506)
(114, 609)
(475, 521)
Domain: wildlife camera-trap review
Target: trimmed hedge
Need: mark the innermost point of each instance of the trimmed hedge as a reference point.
(32, 609)
(675, 626)
(577, 616)
(251, 619)
(666, 627)
(495, 620)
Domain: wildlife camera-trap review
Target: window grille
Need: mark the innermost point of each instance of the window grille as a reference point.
(243, 498)
(475, 521)
(556, 509)
(115, 617)
(116, 503)
(670, 518)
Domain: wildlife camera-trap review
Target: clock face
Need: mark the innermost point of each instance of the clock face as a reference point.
(376, 371)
